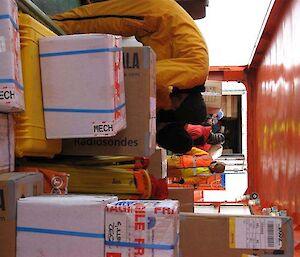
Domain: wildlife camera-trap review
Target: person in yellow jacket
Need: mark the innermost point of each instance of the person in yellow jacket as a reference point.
(181, 51)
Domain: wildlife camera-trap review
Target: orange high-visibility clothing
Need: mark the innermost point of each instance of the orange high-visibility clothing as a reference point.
(189, 161)
(189, 172)
(181, 51)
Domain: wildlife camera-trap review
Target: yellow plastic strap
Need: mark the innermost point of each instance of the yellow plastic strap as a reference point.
(232, 233)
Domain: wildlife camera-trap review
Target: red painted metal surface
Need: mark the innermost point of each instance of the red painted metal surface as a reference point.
(276, 119)
(274, 113)
(227, 73)
(273, 87)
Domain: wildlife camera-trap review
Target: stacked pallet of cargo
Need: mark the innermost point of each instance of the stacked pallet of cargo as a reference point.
(80, 172)
(71, 134)
(74, 90)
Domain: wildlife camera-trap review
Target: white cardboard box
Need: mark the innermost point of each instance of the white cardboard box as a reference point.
(83, 85)
(142, 228)
(7, 143)
(11, 83)
(138, 139)
(213, 95)
(69, 225)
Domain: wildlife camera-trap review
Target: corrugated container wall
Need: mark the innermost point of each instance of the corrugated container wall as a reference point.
(274, 111)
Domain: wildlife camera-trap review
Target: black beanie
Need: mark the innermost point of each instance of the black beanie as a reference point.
(173, 137)
(192, 110)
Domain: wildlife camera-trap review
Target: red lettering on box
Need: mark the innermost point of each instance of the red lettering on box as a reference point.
(113, 255)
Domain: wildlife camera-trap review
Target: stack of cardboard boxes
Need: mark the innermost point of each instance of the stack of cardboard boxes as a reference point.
(83, 92)
(138, 139)
(88, 104)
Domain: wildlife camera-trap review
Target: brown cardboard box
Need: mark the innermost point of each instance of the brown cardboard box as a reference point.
(138, 139)
(226, 236)
(230, 106)
(7, 143)
(158, 163)
(185, 196)
(13, 186)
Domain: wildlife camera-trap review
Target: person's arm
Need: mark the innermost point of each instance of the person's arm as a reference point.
(108, 17)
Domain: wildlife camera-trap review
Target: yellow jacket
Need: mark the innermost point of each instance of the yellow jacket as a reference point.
(182, 55)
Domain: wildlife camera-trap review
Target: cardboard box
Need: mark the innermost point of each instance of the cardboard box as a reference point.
(83, 85)
(14, 185)
(230, 105)
(7, 143)
(142, 228)
(185, 196)
(11, 84)
(235, 236)
(158, 164)
(213, 95)
(138, 139)
(70, 225)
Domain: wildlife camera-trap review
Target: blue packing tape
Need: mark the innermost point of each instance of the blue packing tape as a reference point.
(11, 81)
(59, 232)
(138, 245)
(84, 110)
(8, 17)
(77, 52)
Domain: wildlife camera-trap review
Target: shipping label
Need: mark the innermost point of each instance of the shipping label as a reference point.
(255, 233)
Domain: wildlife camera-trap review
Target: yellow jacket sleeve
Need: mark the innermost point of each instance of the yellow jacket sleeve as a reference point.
(182, 55)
